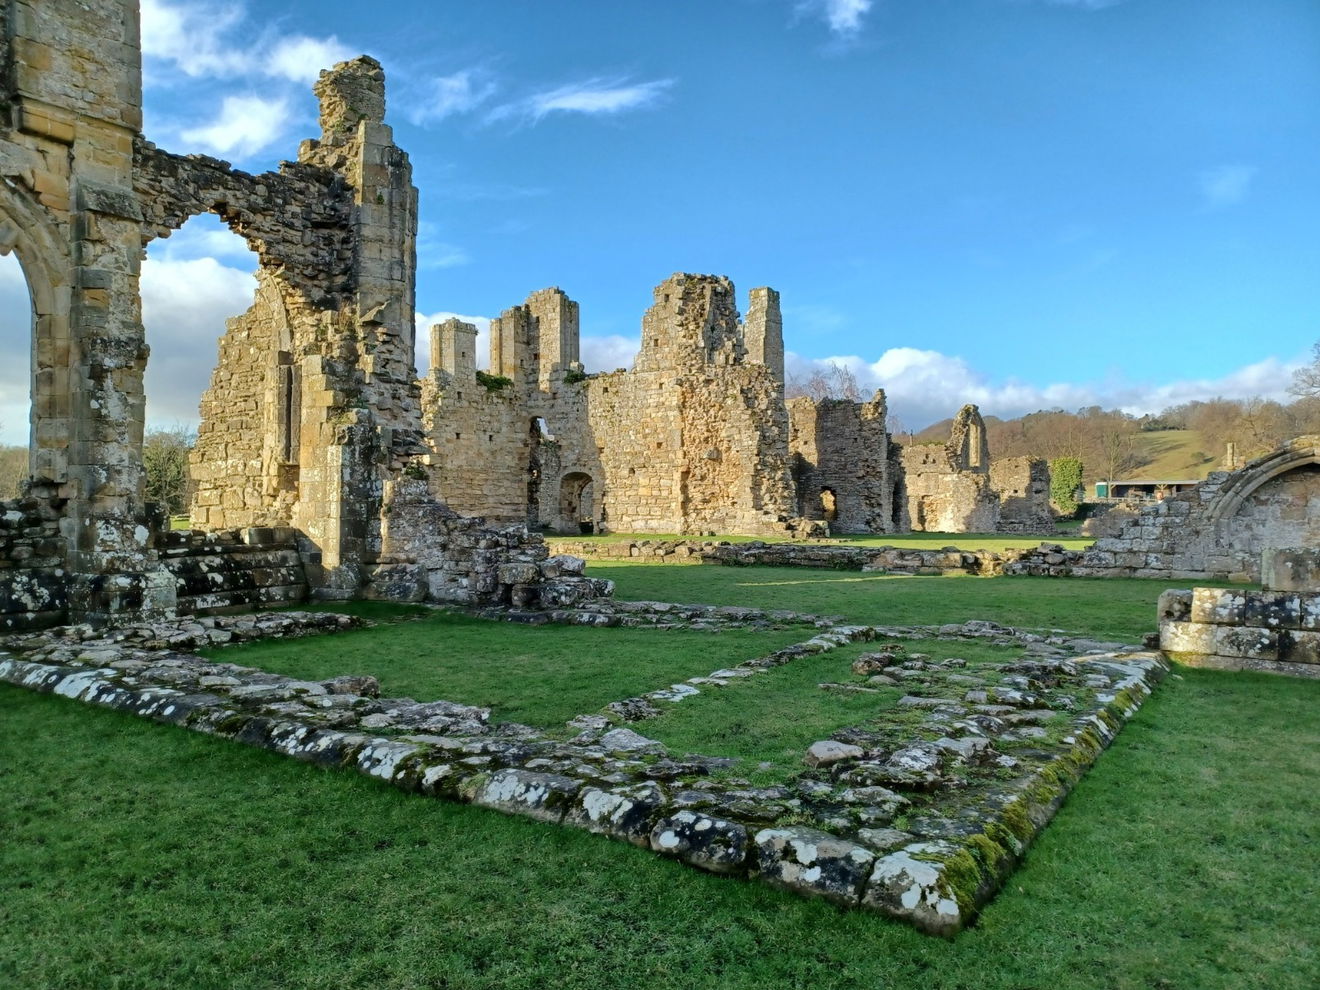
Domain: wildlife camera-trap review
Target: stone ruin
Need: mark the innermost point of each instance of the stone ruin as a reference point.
(1219, 528)
(311, 451)
(955, 487)
(323, 466)
(696, 438)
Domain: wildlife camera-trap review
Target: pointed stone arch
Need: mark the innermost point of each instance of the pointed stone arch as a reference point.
(1239, 486)
(27, 231)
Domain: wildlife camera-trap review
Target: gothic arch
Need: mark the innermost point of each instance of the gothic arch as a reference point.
(27, 230)
(1242, 484)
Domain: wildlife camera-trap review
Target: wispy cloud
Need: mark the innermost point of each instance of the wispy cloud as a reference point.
(458, 93)
(595, 96)
(1225, 185)
(843, 17)
(244, 126)
(301, 59)
(202, 39)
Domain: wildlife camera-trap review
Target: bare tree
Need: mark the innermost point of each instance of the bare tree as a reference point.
(1306, 379)
(835, 382)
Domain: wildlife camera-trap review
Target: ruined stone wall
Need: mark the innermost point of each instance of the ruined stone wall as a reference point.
(483, 447)
(948, 486)
(32, 592)
(943, 498)
(313, 416)
(693, 440)
(1219, 528)
(841, 463)
(1023, 485)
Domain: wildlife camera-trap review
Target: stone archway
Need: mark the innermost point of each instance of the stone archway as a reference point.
(26, 232)
(577, 503)
(1241, 485)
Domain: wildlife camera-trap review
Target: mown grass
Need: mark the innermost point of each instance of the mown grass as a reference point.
(538, 675)
(767, 721)
(136, 855)
(1107, 608)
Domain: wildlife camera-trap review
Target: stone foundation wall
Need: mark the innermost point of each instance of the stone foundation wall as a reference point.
(233, 569)
(1273, 631)
(973, 771)
(1046, 560)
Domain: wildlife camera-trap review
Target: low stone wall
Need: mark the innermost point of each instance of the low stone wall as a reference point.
(1274, 631)
(233, 569)
(1049, 559)
(920, 822)
(33, 585)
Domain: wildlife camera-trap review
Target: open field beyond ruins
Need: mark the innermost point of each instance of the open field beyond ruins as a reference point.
(177, 859)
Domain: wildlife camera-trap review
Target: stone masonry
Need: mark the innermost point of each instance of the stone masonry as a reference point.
(312, 423)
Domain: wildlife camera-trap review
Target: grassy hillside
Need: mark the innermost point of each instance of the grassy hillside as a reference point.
(1175, 455)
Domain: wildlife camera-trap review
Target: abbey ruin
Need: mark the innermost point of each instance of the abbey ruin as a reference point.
(323, 465)
(326, 467)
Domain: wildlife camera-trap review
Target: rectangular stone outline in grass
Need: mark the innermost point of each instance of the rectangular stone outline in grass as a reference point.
(938, 883)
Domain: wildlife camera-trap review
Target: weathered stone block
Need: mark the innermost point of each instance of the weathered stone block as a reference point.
(814, 863)
(709, 843)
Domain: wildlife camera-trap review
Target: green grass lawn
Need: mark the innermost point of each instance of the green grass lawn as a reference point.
(538, 675)
(137, 855)
(1107, 608)
(767, 721)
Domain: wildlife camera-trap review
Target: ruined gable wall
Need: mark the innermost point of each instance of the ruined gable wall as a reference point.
(1023, 485)
(735, 453)
(638, 418)
(482, 447)
(942, 497)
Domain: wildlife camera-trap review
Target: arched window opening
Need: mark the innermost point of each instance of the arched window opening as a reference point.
(16, 344)
(203, 428)
(829, 505)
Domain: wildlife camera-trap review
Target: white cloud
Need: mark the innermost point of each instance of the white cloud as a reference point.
(924, 386)
(1225, 185)
(843, 17)
(301, 59)
(201, 39)
(184, 308)
(597, 96)
(461, 92)
(608, 353)
(245, 126)
(191, 36)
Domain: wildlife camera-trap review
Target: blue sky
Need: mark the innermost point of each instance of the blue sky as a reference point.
(1020, 203)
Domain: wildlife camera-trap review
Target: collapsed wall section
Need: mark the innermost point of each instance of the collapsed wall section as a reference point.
(841, 463)
(1023, 485)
